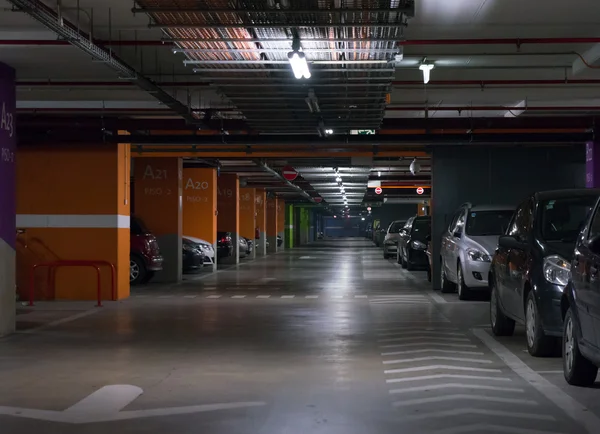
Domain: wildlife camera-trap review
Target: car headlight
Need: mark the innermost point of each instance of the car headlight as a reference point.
(557, 270)
(478, 255)
(206, 246)
(418, 245)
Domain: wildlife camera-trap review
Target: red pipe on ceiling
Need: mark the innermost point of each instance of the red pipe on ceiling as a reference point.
(488, 41)
(394, 83)
(494, 108)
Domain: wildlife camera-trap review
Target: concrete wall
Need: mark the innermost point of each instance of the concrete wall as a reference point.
(483, 175)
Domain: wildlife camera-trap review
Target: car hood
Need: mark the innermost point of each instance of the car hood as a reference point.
(197, 240)
(487, 242)
(557, 248)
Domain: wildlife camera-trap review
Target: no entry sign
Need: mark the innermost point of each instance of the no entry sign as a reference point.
(378, 190)
(289, 173)
(420, 190)
(318, 199)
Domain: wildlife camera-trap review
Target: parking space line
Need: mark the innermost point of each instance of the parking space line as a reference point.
(432, 350)
(470, 397)
(432, 367)
(214, 296)
(488, 427)
(445, 358)
(190, 296)
(263, 296)
(437, 298)
(312, 296)
(481, 412)
(429, 343)
(571, 407)
(455, 386)
(238, 296)
(420, 336)
(287, 296)
(440, 376)
(424, 332)
(361, 296)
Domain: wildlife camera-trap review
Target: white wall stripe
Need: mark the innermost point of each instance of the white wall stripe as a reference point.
(87, 221)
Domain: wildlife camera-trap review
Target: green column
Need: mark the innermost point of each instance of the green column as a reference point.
(289, 226)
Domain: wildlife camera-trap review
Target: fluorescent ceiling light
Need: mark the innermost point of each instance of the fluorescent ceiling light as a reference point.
(338, 179)
(328, 131)
(299, 65)
(426, 68)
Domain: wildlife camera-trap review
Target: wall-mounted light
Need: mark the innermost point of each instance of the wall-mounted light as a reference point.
(426, 68)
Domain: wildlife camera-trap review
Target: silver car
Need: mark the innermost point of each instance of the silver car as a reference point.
(468, 245)
(391, 239)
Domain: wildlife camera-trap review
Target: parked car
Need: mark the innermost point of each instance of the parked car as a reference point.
(209, 251)
(224, 245)
(429, 253)
(392, 236)
(144, 254)
(243, 247)
(412, 242)
(532, 263)
(192, 255)
(250, 246)
(580, 308)
(467, 247)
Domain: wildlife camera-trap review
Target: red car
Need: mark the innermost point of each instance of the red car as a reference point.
(144, 256)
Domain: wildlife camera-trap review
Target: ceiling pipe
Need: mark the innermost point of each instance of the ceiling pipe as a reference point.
(393, 83)
(68, 31)
(493, 108)
(285, 181)
(421, 42)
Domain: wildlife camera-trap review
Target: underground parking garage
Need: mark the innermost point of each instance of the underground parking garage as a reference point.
(278, 216)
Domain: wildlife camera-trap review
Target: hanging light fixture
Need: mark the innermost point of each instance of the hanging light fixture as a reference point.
(426, 68)
(298, 61)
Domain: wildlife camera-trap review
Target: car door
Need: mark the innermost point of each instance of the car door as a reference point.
(586, 280)
(518, 260)
(500, 264)
(454, 246)
(403, 237)
(447, 240)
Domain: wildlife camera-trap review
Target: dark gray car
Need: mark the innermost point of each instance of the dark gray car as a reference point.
(531, 266)
(580, 307)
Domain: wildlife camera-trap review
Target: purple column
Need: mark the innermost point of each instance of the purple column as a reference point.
(7, 199)
(592, 165)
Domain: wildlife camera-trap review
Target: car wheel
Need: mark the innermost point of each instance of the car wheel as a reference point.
(137, 270)
(501, 324)
(538, 344)
(578, 370)
(462, 288)
(445, 284)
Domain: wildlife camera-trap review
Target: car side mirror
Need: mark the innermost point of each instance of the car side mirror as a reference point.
(508, 241)
(594, 245)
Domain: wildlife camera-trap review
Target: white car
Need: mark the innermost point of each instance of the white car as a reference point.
(468, 246)
(207, 248)
(392, 237)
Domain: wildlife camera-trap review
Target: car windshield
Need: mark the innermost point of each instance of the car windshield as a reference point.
(396, 227)
(421, 227)
(562, 219)
(482, 223)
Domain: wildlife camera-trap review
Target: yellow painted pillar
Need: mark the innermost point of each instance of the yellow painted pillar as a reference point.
(200, 205)
(228, 207)
(261, 222)
(248, 215)
(73, 204)
(272, 222)
(158, 203)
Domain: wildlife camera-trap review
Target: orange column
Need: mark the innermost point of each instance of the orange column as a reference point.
(261, 222)
(272, 203)
(73, 204)
(200, 205)
(248, 215)
(228, 206)
(281, 222)
(158, 203)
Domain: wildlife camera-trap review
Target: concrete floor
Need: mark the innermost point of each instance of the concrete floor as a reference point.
(326, 339)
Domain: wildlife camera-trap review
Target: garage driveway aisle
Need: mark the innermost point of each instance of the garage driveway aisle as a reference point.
(326, 339)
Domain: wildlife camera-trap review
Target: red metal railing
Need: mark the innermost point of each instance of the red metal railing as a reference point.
(74, 263)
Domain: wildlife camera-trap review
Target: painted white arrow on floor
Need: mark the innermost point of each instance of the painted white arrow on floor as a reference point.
(464, 397)
(445, 358)
(481, 412)
(105, 405)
